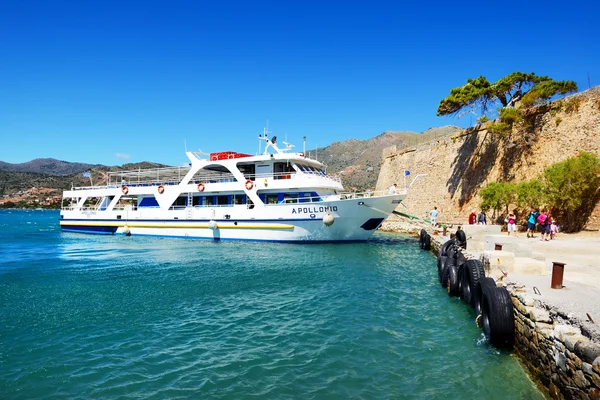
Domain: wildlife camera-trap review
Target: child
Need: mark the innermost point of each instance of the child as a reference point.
(553, 229)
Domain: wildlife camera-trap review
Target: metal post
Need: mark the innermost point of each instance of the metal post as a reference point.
(558, 269)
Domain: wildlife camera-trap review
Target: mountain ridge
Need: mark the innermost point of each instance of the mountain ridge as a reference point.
(356, 162)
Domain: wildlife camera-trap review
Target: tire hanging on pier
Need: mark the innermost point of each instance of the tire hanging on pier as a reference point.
(421, 237)
(444, 249)
(473, 272)
(450, 262)
(452, 284)
(441, 263)
(497, 319)
(427, 242)
(461, 238)
(477, 296)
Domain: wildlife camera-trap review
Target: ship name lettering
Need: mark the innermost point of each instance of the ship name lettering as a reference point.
(312, 210)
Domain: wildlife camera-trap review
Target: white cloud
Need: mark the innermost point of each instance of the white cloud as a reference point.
(122, 155)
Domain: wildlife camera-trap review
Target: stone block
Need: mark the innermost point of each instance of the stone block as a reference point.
(500, 261)
(579, 380)
(560, 360)
(560, 331)
(571, 340)
(509, 243)
(588, 351)
(539, 315)
(528, 266)
(587, 368)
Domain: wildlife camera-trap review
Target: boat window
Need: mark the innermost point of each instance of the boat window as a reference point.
(271, 198)
(148, 202)
(248, 170)
(290, 198)
(222, 200)
(208, 201)
(308, 197)
(181, 201)
(238, 199)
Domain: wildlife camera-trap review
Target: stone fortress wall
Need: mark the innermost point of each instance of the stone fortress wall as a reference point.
(459, 165)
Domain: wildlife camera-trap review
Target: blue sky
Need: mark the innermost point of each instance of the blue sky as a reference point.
(113, 82)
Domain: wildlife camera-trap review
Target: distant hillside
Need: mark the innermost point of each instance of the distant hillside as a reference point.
(49, 166)
(358, 161)
(13, 181)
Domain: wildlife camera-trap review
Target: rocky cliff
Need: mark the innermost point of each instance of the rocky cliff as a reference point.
(457, 166)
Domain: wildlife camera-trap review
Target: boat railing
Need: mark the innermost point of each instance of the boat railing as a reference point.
(369, 193)
(292, 175)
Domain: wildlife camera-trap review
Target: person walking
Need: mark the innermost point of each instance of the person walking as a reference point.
(542, 219)
(531, 222)
(511, 225)
(433, 215)
(553, 229)
(472, 217)
(482, 218)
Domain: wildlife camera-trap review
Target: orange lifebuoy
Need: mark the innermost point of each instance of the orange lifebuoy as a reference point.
(125, 189)
(161, 189)
(249, 184)
(201, 187)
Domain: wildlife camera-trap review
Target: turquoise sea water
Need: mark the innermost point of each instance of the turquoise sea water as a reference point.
(85, 316)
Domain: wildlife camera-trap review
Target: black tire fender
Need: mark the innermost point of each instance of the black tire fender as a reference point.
(473, 272)
(427, 242)
(450, 262)
(477, 296)
(451, 251)
(421, 237)
(442, 260)
(497, 317)
(452, 284)
(444, 249)
(461, 238)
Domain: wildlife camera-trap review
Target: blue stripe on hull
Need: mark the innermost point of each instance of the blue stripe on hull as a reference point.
(107, 230)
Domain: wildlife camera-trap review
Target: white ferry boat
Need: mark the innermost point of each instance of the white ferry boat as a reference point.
(276, 196)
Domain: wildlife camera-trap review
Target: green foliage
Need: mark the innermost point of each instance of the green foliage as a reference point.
(545, 90)
(529, 193)
(500, 128)
(558, 120)
(498, 195)
(483, 119)
(480, 94)
(572, 187)
(510, 115)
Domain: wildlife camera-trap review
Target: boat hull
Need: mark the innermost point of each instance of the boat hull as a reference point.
(353, 220)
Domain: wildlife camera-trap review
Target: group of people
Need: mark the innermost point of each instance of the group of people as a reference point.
(475, 219)
(547, 225)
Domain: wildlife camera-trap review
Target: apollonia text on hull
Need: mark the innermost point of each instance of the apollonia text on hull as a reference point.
(276, 196)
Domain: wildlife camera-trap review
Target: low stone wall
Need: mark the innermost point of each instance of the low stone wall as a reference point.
(558, 355)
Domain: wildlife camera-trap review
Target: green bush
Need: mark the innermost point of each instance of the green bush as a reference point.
(572, 189)
(500, 128)
(483, 119)
(530, 194)
(510, 115)
(558, 120)
(497, 196)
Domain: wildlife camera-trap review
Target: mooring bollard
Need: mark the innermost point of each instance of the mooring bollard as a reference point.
(558, 269)
(498, 246)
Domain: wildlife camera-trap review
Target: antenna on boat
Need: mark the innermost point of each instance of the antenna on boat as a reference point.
(304, 145)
